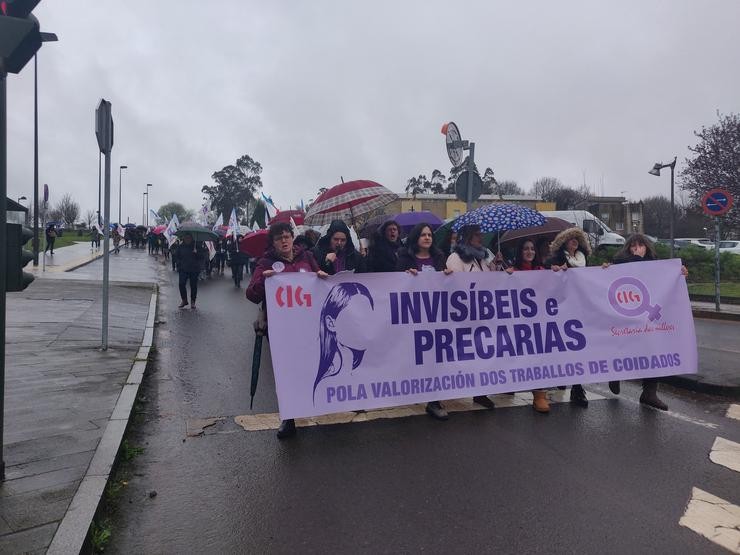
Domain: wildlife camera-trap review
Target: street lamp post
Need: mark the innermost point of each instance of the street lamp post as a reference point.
(656, 171)
(147, 203)
(119, 191)
(45, 37)
(143, 210)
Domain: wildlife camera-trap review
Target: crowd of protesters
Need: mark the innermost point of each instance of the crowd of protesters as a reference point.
(336, 252)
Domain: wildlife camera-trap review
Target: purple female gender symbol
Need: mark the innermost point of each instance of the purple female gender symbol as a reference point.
(644, 299)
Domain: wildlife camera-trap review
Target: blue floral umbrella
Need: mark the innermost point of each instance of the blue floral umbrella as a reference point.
(499, 217)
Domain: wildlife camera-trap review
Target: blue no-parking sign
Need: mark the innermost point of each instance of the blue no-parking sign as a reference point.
(716, 202)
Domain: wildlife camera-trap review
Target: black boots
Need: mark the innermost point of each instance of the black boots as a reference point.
(286, 429)
(435, 410)
(650, 394)
(578, 396)
(484, 401)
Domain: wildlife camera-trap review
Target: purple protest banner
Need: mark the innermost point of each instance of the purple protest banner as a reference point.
(363, 341)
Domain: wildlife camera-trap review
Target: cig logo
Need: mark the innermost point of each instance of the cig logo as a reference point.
(287, 296)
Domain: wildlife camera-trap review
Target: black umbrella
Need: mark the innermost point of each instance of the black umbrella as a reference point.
(198, 232)
(256, 361)
(260, 330)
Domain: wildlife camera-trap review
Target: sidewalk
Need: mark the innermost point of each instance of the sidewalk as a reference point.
(67, 403)
(65, 259)
(708, 310)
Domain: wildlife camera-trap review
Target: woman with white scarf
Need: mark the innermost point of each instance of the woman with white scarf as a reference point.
(570, 249)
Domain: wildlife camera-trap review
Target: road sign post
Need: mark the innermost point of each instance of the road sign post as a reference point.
(455, 148)
(716, 203)
(104, 134)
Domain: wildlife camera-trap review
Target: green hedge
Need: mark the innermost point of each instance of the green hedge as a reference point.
(698, 260)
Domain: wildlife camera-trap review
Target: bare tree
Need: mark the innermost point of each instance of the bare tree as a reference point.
(54, 215)
(89, 218)
(508, 187)
(68, 209)
(715, 162)
(546, 187)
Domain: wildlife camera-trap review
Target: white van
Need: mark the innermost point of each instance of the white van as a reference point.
(598, 232)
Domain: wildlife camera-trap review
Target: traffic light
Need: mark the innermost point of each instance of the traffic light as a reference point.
(20, 36)
(17, 258)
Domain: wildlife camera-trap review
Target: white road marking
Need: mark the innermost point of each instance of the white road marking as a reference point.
(271, 421)
(714, 518)
(733, 411)
(726, 453)
(677, 415)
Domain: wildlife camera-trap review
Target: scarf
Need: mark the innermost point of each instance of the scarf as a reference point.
(468, 253)
(578, 260)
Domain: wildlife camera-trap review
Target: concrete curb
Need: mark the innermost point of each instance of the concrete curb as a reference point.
(74, 265)
(714, 315)
(685, 382)
(72, 532)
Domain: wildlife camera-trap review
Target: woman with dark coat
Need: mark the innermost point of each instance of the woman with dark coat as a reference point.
(639, 248)
(527, 258)
(191, 258)
(383, 255)
(420, 255)
(335, 252)
(570, 249)
(281, 256)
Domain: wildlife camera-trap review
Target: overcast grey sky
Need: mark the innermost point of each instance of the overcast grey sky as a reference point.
(322, 89)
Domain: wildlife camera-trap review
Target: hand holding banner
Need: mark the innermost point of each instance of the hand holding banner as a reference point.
(362, 341)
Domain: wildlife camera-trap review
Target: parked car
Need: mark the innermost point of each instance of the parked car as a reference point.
(698, 241)
(729, 246)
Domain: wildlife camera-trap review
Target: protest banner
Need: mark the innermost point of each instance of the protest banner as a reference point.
(363, 341)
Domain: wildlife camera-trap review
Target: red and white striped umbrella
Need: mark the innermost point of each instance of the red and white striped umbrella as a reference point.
(348, 200)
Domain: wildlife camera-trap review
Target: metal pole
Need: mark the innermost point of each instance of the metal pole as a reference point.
(673, 216)
(99, 186)
(147, 208)
(120, 170)
(35, 163)
(143, 198)
(106, 253)
(471, 166)
(3, 254)
(716, 264)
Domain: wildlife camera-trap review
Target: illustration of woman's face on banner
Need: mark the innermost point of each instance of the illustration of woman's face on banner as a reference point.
(351, 326)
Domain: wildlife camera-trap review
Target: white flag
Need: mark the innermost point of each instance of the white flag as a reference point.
(211, 250)
(154, 215)
(169, 233)
(233, 224)
(219, 222)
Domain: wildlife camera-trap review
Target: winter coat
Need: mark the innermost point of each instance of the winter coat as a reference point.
(558, 246)
(383, 255)
(632, 258)
(457, 264)
(353, 260)
(190, 258)
(407, 260)
(303, 261)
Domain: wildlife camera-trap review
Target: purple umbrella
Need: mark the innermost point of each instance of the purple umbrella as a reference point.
(405, 220)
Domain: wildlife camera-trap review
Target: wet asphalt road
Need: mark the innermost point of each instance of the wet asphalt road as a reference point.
(613, 478)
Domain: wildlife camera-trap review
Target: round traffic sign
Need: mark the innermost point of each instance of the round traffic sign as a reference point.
(461, 186)
(454, 148)
(716, 202)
